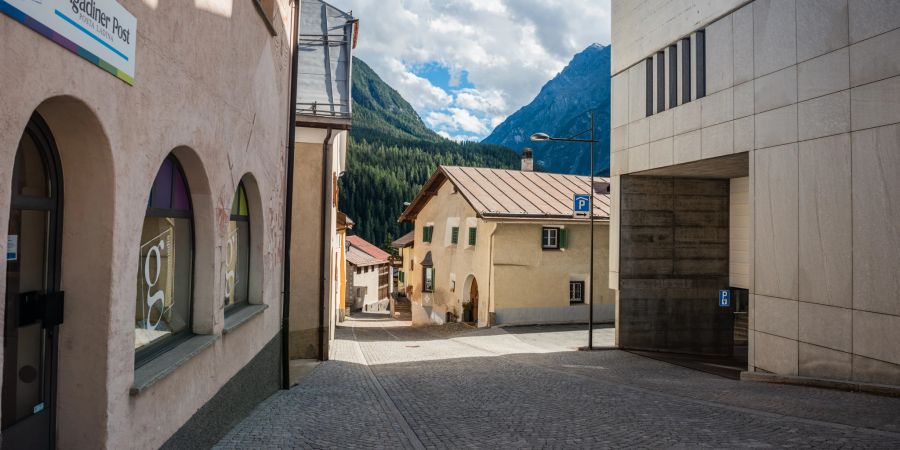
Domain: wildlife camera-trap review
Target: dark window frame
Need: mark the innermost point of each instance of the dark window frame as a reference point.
(648, 63)
(454, 235)
(473, 236)
(153, 350)
(574, 283)
(685, 70)
(660, 81)
(673, 76)
(544, 231)
(241, 190)
(701, 63)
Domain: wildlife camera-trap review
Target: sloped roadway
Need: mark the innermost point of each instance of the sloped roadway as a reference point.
(390, 386)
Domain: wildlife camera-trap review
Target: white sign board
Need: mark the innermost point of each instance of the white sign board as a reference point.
(100, 31)
(12, 247)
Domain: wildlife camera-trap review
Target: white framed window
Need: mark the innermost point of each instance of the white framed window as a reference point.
(550, 237)
(576, 291)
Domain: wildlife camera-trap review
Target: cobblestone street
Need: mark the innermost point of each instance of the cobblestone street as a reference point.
(389, 386)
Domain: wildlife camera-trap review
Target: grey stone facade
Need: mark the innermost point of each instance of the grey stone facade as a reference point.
(803, 98)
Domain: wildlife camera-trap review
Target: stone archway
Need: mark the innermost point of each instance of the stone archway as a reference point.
(471, 296)
(86, 276)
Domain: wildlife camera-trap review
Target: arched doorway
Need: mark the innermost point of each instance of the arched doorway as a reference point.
(33, 296)
(471, 298)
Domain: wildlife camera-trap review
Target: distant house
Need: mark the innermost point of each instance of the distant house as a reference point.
(404, 246)
(502, 247)
(368, 276)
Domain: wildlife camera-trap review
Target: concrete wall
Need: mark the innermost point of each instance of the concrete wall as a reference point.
(211, 87)
(517, 280)
(811, 89)
(531, 285)
(674, 259)
(453, 263)
(308, 248)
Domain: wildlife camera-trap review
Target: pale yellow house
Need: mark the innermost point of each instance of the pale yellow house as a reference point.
(501, 247)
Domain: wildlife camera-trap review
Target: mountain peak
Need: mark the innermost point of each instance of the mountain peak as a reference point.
(561, 109)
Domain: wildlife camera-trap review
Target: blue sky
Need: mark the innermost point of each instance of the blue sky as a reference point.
(465, 65)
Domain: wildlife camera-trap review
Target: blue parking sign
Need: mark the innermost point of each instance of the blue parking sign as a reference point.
(724, 298)
(582, 204)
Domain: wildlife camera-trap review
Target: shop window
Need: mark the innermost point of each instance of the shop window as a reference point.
(576, 292)
(237, 252)
(165, 270)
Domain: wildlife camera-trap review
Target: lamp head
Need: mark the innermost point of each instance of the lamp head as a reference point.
(537, 137)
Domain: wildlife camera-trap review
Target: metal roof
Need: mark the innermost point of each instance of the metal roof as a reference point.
(404, 241)
(514, 194)
(362, 253)
(324, 47)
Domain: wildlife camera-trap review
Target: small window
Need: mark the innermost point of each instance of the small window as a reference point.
(428, 279)
(237, 253)
(427, 233)
(554, 238)
(472, 235)
(550, 238)
(686, 70)
(660, 82)
(648, 76)
(576, 292)
(164, 277)
(701, 63)
(454, 235)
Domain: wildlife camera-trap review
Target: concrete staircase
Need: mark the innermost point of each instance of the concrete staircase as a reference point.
(402, 308)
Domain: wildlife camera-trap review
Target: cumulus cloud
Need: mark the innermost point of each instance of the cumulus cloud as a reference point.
(507, 48)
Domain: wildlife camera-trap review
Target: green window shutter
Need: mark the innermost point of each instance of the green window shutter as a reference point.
(426, 234)
(472, 236)
(454, 235)
(563, 238)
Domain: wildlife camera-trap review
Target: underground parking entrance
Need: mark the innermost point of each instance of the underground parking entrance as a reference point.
(684, 264)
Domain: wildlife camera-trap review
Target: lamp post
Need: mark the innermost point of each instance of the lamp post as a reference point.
(539, 137)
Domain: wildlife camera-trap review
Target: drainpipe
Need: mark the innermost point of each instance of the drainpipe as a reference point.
(491, 277)
(288, 210)
(326, 186)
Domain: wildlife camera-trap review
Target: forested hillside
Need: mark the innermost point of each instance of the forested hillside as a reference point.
(391, 153)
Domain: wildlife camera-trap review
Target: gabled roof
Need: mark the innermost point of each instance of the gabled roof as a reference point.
(404, 241)
(362, 253)
(513, 194)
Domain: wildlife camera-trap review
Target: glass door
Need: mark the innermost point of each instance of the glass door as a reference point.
(33, 300)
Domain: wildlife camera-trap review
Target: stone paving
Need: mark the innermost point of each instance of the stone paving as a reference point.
(391, 386)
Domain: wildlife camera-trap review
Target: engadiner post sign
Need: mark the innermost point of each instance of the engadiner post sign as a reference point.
(100, 31)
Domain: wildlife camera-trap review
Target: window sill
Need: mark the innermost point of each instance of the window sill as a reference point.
(165, 364)
(242, 315)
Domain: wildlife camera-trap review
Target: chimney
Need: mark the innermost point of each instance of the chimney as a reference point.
(527, 161)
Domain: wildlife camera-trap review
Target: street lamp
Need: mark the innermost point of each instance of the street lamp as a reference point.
(542, 137)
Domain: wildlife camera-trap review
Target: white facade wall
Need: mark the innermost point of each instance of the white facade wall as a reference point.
(811, 89)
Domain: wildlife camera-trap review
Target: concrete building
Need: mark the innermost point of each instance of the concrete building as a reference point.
(755, 147)
(142, 168)
(404, 246)
(326, 39)
(343, 224)
(503, 246)
(369, 286)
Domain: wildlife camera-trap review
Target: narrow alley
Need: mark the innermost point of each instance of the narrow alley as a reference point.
(393, 386)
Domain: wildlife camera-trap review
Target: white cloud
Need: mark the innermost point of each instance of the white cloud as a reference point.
(457, 119)
(508, 48)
